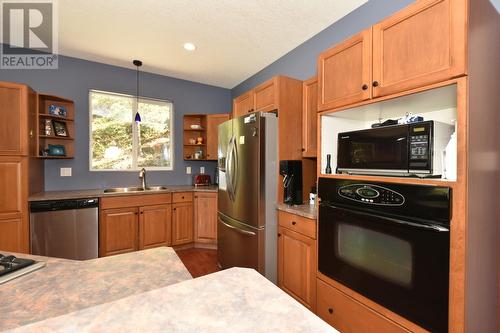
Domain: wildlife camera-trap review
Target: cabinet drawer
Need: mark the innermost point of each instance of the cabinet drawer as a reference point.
(182, 197)
(298, 224)
(348, 315)
(125, 201)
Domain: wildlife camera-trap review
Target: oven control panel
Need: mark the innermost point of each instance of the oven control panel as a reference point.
(371, 194)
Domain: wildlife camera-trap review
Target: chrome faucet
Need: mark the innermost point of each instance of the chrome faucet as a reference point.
(142, 177)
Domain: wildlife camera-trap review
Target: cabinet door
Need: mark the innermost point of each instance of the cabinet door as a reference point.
(243, 104)
(348, 315)
(422, 44)
(297, 266)
(13, 119)
(344, 72)
(266, 95)
(213, 122)
(118, 231)
(155, 226)
(309, 117)
(182, 223)
(11, 236)
(205, 217)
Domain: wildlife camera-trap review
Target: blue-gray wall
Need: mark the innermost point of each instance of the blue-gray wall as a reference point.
(73, 80)
(300, 63)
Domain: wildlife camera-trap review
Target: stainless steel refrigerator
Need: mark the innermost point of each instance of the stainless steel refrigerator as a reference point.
(247, 161)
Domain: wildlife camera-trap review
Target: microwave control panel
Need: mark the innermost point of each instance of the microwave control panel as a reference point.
(371, 194)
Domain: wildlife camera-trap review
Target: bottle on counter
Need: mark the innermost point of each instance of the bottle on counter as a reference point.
(328, 169)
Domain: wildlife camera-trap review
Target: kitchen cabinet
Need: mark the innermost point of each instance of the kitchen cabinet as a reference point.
(205, 217)
(213, 122)
(349, 316)
(309, 117)
(297, 258)
(422, 44)
(344, 72)
(118, 231)
(243, 104)
(266, 95)
(155, 226)
(134, 222)
(182, 223)
(20, 173)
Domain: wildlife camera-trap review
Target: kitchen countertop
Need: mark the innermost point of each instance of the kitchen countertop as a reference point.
(307, 210)
(99, 193)
(236, 299)
(64, 286)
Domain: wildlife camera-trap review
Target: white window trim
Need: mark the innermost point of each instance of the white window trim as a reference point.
(136, 169)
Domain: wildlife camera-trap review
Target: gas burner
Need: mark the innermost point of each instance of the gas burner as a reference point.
(12, 267)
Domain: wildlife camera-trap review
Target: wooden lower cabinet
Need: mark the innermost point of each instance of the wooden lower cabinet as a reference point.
(297, 266)
(182, 223)
(155, 226)
(118, 230)
(205, 217)
(348, 315)
(11, 235)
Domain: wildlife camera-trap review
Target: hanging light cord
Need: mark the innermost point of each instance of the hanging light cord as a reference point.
(138, 64)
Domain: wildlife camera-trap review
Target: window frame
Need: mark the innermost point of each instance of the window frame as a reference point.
(134, 131)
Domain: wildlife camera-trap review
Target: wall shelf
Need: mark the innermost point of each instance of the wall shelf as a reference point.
(207, 150)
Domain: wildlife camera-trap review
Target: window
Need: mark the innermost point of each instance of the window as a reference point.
(118, 143)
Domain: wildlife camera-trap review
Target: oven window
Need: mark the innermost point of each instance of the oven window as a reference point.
(377, 253)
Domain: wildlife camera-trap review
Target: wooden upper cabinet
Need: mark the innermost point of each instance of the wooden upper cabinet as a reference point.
(155, 226)
(309, 117)
(13, 119)
(243, 104)
(344, 72)
(213, 122)
(182, 223)
(266, 95)
(297, 266)
(205, 217)
(422, 44)
(118, 231)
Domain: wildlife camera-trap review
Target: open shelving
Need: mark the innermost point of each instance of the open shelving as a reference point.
(43, 140)
(191, 149)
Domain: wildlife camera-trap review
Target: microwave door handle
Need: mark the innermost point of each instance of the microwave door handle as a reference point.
(430, 227)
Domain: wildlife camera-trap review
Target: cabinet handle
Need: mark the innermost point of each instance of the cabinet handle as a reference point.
(279, 235)
(375, 83)
(136, 213)
(303, 149)
(330, 310)
(364, 87)
(175, 209)
(142, 213)
(294, 223)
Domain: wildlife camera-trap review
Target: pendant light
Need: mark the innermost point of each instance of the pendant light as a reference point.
(138, 64)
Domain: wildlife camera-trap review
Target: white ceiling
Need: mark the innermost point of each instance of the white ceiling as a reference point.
(234, 38)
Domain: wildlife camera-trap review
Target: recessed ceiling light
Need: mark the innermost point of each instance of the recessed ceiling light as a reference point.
(189, 46)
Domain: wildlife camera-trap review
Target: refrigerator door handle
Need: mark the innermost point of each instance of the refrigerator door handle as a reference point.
(248, 233)
(229, 170)
(234, 173)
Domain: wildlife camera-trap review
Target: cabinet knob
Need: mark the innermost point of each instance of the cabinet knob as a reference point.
(364, 87)
(303, 149)
(375, 83)
(294, 223)
(175, 209)
(279, 235)
(330, 310)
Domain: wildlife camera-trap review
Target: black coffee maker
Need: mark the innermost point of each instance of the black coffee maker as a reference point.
(291, 170)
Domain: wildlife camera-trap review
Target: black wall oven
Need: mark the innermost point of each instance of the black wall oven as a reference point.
(390, 243)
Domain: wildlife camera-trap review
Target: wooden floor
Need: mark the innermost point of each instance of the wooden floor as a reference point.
(199, 262)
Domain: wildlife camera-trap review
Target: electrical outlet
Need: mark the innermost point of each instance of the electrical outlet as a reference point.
(202, 169)
(188, 170)
(65, 172)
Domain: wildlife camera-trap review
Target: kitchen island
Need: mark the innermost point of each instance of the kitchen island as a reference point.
(148, 291)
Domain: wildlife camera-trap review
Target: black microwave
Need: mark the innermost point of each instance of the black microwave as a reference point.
(399, 150)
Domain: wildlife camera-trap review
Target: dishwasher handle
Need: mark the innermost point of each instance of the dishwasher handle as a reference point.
(55, 205)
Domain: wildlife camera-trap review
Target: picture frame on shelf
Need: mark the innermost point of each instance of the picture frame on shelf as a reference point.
(58, 110)
(60, 128)
(47, 128)
(56, 150)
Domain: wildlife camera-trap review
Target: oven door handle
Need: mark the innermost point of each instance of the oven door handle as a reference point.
(431, 227)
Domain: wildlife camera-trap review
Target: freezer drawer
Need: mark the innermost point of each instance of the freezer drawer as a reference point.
(239, 245)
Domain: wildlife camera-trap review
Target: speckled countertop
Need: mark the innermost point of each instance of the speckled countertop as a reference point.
(307, 210)
(233, 300)
(64, 286)
(97, 193)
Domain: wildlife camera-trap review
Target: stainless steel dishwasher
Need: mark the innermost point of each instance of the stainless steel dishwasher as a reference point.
(65, 228)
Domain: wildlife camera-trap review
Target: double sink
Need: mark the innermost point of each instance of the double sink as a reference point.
(134, 189)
